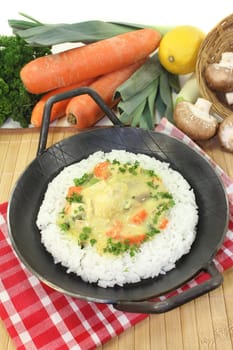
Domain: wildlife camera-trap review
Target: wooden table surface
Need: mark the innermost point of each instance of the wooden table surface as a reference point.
(205, 323)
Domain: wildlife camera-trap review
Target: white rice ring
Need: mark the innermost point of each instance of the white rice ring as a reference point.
(156, 256)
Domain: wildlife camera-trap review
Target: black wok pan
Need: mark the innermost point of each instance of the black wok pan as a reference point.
(211, 198)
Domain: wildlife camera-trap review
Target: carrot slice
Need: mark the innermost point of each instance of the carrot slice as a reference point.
(74, 189)
(163, 223)
(88, 61)
(101, 170)
(115, 230)
(137, 239)
(139, 217)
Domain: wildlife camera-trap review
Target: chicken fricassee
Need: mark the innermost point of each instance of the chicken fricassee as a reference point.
(116, 207)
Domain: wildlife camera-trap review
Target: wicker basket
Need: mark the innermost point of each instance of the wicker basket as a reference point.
(217, 41)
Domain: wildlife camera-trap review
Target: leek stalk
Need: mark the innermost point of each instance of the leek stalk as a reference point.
(40, 34)
(148, 90)
(190, 90)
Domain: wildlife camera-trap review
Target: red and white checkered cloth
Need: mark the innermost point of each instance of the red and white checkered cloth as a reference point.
(40, 318)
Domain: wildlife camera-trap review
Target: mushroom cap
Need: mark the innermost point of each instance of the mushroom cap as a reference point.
(225, 133)
(219, 78)
(193, 122)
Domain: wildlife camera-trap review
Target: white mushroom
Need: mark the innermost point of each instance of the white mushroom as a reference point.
(195, 120)
(229, 97)
(219, 76)
(225, 133)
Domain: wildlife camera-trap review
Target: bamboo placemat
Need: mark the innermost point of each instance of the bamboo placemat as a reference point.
(205, 323)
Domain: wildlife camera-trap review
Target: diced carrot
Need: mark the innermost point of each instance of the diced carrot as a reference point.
(67, 208)
(74, 189)
(137, 239)
(115, 230)
(101, 170)
(139, 217)
(116, 233)
(156, 180)
(163, 223)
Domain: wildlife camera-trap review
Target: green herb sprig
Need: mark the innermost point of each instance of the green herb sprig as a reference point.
(15, 101)
(117, 247)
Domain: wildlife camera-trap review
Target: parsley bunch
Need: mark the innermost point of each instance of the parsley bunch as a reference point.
(15, 101)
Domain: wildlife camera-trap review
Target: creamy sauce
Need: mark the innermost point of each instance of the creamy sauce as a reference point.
(116, 208)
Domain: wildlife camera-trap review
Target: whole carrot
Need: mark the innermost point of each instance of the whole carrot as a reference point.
(58, 109)
(84, 112)
(89, 61)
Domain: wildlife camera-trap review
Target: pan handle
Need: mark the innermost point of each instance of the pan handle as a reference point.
(63, 96)
(151, 307)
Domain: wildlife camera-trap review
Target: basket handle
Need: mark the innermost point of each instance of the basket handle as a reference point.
(152, 307)
(63, 96)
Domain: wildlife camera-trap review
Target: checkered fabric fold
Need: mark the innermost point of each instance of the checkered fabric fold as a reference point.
(38, 317)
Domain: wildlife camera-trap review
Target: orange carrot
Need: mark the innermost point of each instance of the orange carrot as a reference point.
(137, 239)
(74, 189)
(89, 61)
(115, 230)
(83, 111)
(58, 109)
(101, 170)
(139, 217)
(163, 224)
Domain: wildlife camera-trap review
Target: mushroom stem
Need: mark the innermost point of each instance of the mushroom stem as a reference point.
(229, 97)
(226, 60)
(203, 105)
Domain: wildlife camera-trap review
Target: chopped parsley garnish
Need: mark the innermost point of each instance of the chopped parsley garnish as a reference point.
(122, 169)
(93, 241)
(87, 230)
(82, 180)
(152, 185)
(84, 235)
(116, 162)
(75, 197)
(152, 232)
(150, 173)
(64, 226)
(117, 247)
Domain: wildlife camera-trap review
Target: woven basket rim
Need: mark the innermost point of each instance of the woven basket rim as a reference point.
(217, 41)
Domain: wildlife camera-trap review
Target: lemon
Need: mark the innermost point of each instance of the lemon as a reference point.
(179, 48)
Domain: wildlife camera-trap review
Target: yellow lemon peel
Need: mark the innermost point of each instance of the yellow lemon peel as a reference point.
(179, 48)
